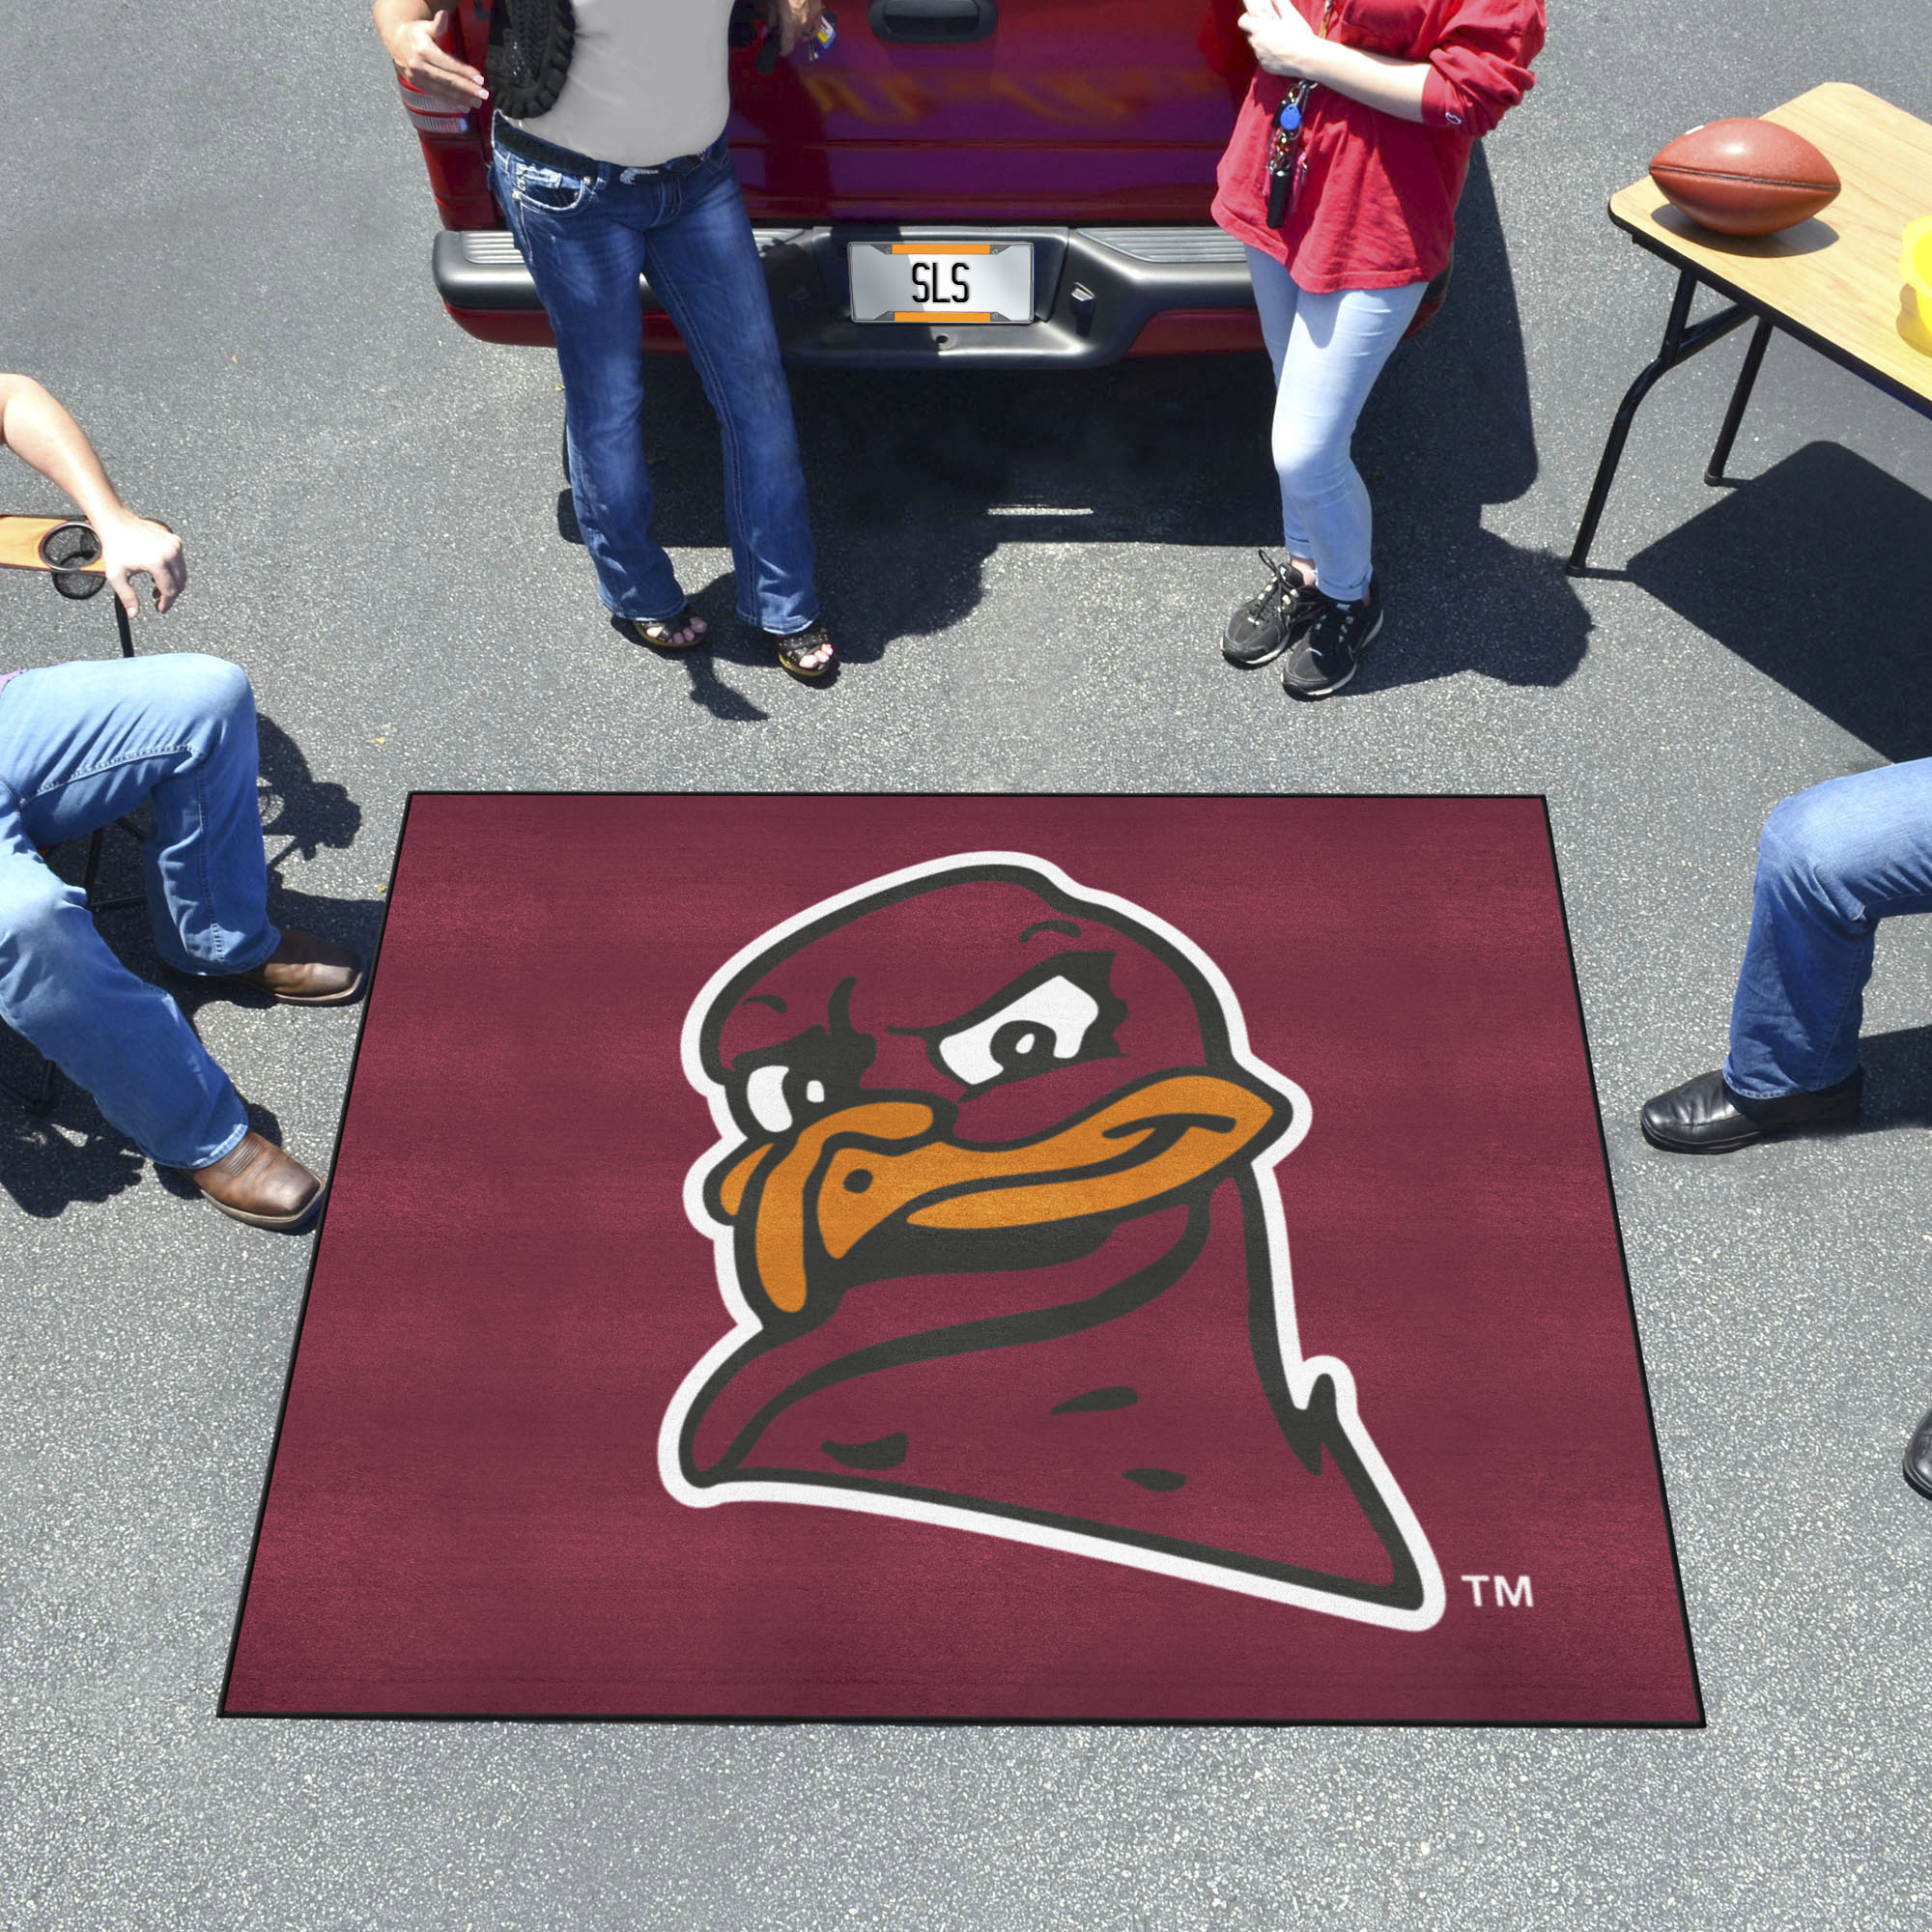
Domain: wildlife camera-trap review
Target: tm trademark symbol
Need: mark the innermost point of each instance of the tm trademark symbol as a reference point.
(1517, 1595)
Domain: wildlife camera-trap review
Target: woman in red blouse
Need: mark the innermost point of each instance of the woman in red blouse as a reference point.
(1342, 179)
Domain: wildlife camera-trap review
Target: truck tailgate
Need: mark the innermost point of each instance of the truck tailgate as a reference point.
(1068, 110)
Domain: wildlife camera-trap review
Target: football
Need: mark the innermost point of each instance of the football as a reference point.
(1745, 177)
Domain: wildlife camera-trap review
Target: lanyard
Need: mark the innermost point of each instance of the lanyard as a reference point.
(1287, 136)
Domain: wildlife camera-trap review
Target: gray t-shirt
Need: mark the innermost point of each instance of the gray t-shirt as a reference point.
(646, 82)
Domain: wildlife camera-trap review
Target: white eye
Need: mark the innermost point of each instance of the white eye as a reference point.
(814, 1091)
(765, 1096)
(1057, 1006)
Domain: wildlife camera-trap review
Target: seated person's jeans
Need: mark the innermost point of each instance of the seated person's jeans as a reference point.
(81, 745)
(1833, 862)
(587, 236)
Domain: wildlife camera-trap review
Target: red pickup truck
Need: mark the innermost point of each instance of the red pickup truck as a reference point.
(981, 182)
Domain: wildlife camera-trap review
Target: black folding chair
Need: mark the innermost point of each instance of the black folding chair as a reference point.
(67, 552)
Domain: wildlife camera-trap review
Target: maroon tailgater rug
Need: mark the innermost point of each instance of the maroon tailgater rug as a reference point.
(831, 1258)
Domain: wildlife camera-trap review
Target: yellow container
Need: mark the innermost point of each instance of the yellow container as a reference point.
(1915, 268)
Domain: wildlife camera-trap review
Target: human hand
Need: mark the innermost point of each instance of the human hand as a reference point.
(133, 546)
(795, 20)
(1284, 43)
(411, 45)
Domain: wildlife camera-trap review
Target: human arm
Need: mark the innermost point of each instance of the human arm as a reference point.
(407, 30)
(1285, 43)
(42, 434)
(795, 20)
(1476, 70)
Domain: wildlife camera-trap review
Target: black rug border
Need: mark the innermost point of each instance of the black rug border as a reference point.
(224, 1709)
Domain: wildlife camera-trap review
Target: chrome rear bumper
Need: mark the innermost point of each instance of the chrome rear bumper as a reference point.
(1094, 290)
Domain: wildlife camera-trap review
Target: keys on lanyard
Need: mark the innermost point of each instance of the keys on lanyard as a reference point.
(1282, 143)
(1287, 137)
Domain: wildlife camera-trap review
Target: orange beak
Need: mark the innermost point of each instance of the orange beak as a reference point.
(851, 1171)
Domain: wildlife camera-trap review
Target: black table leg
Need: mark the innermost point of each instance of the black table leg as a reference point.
(1681, 342)
(1740, 396)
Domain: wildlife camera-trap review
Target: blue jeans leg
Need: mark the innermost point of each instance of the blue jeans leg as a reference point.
(587, 239)
(1327, 351)
(706, 272)
(1831, 863)
(80, 745)
(585, 268)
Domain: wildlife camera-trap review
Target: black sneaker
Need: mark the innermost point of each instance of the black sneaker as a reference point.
(1264, 626)
(1326, 656)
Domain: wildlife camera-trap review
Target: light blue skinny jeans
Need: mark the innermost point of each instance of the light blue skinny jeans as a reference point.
(1328, 351)
(1831, 863)
(588, 234)
(80, 745)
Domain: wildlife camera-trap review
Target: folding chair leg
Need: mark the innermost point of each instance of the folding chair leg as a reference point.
(44, 1095)
(90, 872)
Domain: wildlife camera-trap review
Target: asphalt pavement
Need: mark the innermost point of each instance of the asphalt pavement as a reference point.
(214, 249)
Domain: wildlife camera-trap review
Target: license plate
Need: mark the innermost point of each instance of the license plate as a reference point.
(941, 281)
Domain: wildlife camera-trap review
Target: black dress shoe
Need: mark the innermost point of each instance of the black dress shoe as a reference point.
(1919, 1456)
(1703, 1116)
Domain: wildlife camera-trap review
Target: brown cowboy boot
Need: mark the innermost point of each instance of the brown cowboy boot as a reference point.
(307, 970)
(255, 1182)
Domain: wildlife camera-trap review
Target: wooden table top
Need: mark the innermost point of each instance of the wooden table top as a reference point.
(1833, 278)
(21, 542)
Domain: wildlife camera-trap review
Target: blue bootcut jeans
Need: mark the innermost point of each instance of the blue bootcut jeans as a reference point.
(1832, 864)
(81, 745)
(587, 232)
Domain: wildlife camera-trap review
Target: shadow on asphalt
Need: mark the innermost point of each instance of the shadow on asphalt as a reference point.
(1899, 1079)
(1447, 433)
(726, 639)
(307, 812)
(916, 477)
(1819, 573)
(48, 1162)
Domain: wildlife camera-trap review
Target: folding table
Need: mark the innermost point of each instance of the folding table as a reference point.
(1833, 282)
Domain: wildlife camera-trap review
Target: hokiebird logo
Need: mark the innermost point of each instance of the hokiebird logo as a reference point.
(996, 1221)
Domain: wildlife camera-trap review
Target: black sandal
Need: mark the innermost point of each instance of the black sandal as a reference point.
(661, 632)
(795, 648)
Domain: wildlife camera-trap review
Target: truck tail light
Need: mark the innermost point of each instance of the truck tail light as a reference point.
(428, 116)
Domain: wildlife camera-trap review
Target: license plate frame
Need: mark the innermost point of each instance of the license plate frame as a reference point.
(968, 280)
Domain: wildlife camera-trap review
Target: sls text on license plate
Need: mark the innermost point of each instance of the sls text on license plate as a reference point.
(941, 281)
